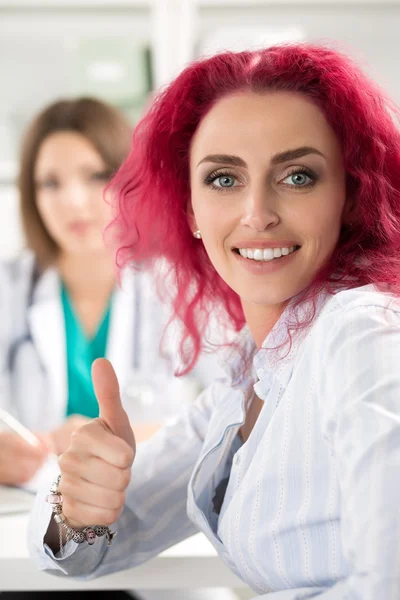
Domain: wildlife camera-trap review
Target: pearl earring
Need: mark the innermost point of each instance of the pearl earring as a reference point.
(197, 234)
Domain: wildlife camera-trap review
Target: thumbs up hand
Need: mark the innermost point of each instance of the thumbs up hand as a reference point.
(107, 393)
(96, 468)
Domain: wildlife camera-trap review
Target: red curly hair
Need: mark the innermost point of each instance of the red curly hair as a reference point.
(152, 187)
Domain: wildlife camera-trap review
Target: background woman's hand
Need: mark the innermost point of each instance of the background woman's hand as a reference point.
(96, 468)
(19, 461)
(61, 437)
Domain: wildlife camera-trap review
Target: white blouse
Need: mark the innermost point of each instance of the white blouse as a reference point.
(311, 508)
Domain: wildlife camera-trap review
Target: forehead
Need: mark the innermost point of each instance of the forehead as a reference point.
(66, 148)
(271, 121)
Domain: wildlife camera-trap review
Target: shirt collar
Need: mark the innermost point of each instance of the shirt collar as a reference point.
(277, 355)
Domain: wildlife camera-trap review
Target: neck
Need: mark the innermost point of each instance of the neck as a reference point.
(87, 274)
(261, 319)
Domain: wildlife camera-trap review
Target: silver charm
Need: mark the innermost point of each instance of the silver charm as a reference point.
(76, 536)
(110, 536)
(90, 535)
(59, 519)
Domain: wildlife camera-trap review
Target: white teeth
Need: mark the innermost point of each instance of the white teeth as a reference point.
(266, 253)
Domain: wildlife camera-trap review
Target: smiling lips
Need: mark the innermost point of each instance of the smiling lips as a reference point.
(79, 227)
(266, 254)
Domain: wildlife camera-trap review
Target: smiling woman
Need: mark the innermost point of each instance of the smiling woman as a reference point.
(270, 183)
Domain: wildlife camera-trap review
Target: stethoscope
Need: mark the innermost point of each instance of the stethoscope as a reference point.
(26, 337)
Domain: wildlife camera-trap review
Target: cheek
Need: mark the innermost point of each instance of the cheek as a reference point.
(212, 211)
(105, 211)
(322, 217)
(331, 215)
(50, 214)
(215, 225)
(101, 202)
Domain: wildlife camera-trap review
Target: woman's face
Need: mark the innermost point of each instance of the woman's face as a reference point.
(70, 177)
(267, 193)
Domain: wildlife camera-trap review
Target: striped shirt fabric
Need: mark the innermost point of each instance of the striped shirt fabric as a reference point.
(310, 502)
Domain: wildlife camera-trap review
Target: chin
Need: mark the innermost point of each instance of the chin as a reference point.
(273, 290)
(269, 296)
(267, 300)
(85, 248)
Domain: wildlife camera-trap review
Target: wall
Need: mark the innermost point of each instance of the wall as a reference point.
(39, 41)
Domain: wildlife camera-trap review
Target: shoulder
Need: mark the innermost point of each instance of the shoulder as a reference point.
(353, 320)
(351, 355)
(135, 279)
(357, 305)
(367, 296)
(17, 269)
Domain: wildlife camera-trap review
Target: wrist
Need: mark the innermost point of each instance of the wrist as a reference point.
(65, 531)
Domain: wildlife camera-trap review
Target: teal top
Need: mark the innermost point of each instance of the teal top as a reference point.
(81, 352)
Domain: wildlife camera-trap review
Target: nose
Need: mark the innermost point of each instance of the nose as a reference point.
(260, 211)
(75, 195)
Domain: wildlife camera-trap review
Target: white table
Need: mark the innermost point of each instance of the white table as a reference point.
(193, 563)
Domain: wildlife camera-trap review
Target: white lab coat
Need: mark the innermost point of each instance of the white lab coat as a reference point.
(34, 385)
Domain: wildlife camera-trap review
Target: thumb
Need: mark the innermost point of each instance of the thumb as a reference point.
(106, 388)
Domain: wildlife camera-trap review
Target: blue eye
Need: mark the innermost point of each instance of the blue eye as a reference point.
(221, 181)
(224, 181)
(299, 179)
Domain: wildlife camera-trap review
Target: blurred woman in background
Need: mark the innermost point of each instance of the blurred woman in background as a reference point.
(60, 292)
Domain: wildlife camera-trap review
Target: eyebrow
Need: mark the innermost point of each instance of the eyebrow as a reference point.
(236, 161)
(85, 168)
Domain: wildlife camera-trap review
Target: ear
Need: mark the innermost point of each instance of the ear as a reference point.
(190, 216)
